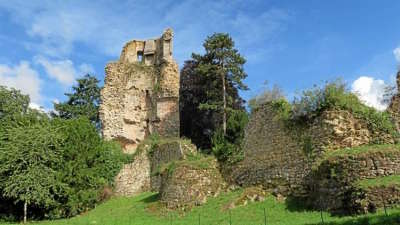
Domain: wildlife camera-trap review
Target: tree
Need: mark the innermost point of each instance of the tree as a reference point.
(51, 167)
(29, 154)
(222, 62)
(195, 123)
(84, 101)
(12, 102)
(89, 164)
(267, 95)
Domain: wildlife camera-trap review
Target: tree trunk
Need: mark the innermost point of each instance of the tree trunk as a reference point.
(224, 101)
(25, 211)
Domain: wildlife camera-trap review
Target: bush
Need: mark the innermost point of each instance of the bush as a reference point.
(268, 95)
(89, 165)
(228, 148)
(63, 163)
(335, 96)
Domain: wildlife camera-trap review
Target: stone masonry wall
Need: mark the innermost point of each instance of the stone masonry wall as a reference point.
(274, 153)
(333, 183)
(134, 177)
(165, 153)
(141, 93)
(140, 97)
(273, 157)
(394, 107)
(143, 173)
(187, 184)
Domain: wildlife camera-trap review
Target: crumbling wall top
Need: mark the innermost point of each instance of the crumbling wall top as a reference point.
(151, 51)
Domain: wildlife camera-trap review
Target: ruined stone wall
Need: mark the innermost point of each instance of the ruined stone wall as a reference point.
(134, 177)
(394, 107)
(379, 197)
(275, 154)
(140, 97)
(141, 93)
(167, 152)
(142, 174)
(333, 183)
(273, 157)
(190, 183)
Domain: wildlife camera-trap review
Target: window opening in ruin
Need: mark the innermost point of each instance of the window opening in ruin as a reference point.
(139, 56)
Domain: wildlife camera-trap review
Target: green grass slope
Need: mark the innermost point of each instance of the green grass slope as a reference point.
(144, 210)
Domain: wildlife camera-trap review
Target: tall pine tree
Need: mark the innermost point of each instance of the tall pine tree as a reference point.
(223, 64)
(209, 92)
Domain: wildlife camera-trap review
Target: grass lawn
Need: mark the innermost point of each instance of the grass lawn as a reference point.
(144, 210)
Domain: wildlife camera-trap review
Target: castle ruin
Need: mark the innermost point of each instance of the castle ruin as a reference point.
(141, 93)
(140, 98)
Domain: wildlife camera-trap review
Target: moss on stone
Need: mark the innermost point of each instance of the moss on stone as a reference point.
(392, 180)
(365, 149)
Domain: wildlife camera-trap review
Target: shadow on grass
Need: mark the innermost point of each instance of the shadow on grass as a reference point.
(151, 199)
(393, 219)
(296, 205)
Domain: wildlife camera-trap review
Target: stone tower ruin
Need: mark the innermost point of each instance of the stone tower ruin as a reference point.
(141, 93)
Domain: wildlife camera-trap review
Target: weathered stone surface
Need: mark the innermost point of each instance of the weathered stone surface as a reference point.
(140, 97)
(134, 177)
(394, 107)
(379, 197)
(333, 183)
(142, 174)
(140, 94)
(249, 195)
(168, 151)
(189, 184)
(275, 156)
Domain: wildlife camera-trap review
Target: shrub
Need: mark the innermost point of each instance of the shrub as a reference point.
(267, 95)
(228, 148)
(89, 164)
(334, 95)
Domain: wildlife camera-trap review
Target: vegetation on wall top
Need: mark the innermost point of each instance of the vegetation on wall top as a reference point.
(332, 96)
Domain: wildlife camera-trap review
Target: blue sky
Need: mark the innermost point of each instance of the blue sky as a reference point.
(46, 45)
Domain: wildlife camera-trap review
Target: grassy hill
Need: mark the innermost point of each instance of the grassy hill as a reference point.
(144, 209)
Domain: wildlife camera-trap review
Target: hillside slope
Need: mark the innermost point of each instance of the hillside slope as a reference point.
(144, 209)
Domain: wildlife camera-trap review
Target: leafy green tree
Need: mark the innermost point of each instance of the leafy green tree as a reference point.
(29, 154)
(195, 123)
(89, 164)
(12, 102)
(223, 64)
(13, 105)
(83, 101)
(51, 166)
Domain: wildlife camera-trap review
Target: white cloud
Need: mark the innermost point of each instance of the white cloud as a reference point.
(59, 26)
(24, 78)
(396, 53)
(63, 71)
(38, 107)
(370, 91)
